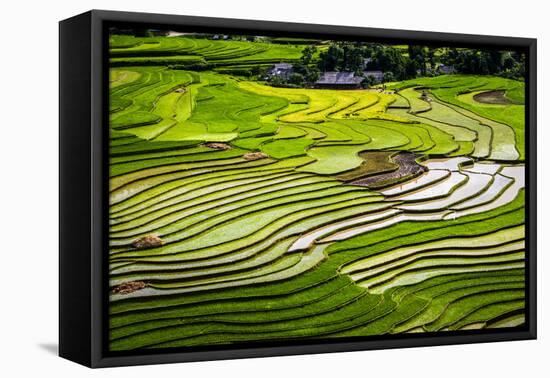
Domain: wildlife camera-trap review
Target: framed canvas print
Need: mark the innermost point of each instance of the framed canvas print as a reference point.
(233, 188)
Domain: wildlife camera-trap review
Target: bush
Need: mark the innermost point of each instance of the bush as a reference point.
(296, 79)
(389, 76)
(368, 81)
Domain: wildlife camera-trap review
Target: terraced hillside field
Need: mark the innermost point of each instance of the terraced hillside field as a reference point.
(242, 212)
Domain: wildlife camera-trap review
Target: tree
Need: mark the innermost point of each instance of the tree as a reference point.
(353, 58)
(306, 67)
(388, 76)
(508, 62)
(431, 58)
(331, 59)
(312, 74)
(411, 68)
(484, 61)
(494, 61)
(307, 55)
(389, 59)
(418, 54)
(276, 81)
(296, 79)
(368, 81)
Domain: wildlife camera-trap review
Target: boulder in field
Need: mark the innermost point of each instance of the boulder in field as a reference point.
(129, 287)
(147, 241)
(217, 145)
(254, 155)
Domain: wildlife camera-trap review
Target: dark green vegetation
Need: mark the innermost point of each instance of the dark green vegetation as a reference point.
(492, 62)
(243, 212)
(400, 62)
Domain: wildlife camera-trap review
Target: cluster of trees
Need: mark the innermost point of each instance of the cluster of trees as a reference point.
(393, 62)
(351, 57)
(344, 56)
(416, 60)
(396, 65)
(423, 58)
(305, 71)
(400, 63)
(486, 62)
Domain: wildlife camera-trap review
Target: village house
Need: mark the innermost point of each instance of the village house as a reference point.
(339, 80)
(445, 70)
(283, 70)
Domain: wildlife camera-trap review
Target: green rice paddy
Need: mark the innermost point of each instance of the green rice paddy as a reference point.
(301, 213)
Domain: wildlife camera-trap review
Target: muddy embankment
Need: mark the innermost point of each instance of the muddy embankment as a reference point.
(492, 97)
(375, 163)
(404, 166)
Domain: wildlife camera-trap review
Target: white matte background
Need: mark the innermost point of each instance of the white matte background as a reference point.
(29, 187)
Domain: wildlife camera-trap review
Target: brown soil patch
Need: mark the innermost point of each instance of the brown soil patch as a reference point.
(254, 156)
(147, 241)
(408, 168)
(217, 146)
(376, 162)
(492, 97)
(129, 287)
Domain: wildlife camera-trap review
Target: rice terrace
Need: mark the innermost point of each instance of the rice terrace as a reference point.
(267, 189)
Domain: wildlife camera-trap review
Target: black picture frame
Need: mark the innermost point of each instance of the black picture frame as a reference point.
(83, 141)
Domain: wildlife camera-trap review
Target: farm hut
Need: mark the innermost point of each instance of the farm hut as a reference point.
(339, 80)
(445, 70)
(377, 75)
(283, 70)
